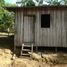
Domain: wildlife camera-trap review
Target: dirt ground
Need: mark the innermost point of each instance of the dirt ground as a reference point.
(6, 60)
(46, 60)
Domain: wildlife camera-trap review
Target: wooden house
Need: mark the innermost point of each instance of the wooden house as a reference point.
(44, 26)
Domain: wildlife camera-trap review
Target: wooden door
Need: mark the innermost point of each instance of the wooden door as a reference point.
(28, 29)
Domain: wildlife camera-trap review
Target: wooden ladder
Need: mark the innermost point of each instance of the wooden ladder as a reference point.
(26, 50)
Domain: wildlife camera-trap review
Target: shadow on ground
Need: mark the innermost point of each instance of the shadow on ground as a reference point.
(7, 42)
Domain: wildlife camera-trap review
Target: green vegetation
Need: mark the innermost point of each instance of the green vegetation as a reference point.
(40, 2)
(6, 18)
(66, 2)
(31, 2)
(27, 3)
(55, 2)
(2, 3)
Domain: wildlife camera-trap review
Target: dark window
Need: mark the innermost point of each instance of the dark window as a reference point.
(45, 20)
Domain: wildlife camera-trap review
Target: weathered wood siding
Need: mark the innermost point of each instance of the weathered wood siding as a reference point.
(55, 36)
(18, 39)
(28, 29)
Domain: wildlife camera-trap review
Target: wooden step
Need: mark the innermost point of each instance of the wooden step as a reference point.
(26, 45)
(26, 50)
(24, 54)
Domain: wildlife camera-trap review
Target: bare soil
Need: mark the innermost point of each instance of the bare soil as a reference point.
(7, 61)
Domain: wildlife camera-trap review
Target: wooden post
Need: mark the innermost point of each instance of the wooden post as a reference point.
(36, 49)
(31, 50)
(22, 48)
(56, 49)
(14, 48)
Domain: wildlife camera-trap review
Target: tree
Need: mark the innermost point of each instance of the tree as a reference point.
(27, 3)
(31, 2)
(8, 4)
(65, 2)
(6, 18)
(39, 2)
(55, 2)
(2, 3)
(8, 21)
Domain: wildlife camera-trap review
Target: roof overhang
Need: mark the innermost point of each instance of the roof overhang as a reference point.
(52, 7)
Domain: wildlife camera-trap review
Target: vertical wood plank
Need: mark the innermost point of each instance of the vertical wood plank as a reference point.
(15, 36)
(63, 31)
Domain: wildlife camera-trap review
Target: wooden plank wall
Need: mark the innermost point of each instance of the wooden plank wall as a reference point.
(28, 29)
(55, 36)
(18, 39)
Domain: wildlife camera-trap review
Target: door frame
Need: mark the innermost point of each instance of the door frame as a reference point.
(33, 27)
